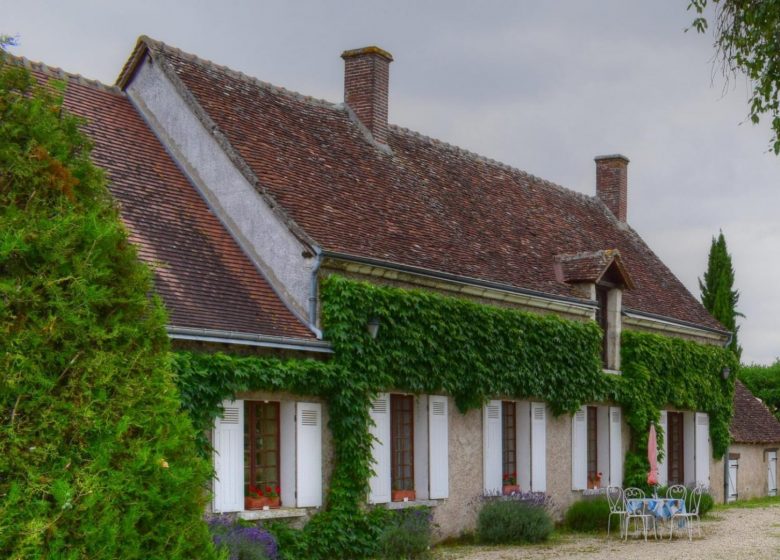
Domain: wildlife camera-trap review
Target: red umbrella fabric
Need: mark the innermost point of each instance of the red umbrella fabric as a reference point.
(652, 457)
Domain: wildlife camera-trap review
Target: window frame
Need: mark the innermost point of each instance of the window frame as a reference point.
(400, 417)
(250, 450)
(509, 441)
(592, 444)
(675, 447)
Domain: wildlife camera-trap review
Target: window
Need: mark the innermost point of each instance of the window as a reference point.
(410, 448)
(268, 443)
(596, 447)
(261, 445)
(509, 442)
(514, 446)
(675, 449)
(686, 448)
(593, 479)
(402, 442)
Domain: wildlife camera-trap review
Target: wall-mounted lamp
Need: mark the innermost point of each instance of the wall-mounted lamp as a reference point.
(373, 327)
(725, 372)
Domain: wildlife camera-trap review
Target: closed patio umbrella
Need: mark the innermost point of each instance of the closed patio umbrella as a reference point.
(652, 457)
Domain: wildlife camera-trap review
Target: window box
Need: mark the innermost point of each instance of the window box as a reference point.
(403, 495)
(262, 502)
(510, 489)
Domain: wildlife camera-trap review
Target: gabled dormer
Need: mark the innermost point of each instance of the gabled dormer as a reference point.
(600, 276)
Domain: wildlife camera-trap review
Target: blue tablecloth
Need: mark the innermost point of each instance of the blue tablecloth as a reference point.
(662, 508)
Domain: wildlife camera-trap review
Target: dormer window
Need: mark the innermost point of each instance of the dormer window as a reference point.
(599, 276)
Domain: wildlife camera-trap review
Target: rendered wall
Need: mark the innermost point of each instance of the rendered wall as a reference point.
(752, 471)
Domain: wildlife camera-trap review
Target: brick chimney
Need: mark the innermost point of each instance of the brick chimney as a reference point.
(366, 84)
(612, 183)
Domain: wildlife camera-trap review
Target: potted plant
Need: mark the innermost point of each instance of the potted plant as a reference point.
(594, 482)
(272, 499)
(403, 495)
(510, 484)
(253, 498)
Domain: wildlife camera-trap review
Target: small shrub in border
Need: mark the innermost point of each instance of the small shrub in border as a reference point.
(706, 505)
(242, 541)
(513, 521)
(588, 515)
(408, 534)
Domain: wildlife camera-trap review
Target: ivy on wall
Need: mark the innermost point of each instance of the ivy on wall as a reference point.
(429, 343)
(659, 372)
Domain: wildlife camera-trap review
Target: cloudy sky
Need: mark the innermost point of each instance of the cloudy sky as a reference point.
(543, 86)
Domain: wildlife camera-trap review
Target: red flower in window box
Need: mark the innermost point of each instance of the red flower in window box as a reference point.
(403, 495)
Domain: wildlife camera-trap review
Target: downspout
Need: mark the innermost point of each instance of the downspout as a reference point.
(726, 455)
(314, 292)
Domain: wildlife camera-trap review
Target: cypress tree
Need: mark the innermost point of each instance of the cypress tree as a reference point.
(96, 458)
(717, 290)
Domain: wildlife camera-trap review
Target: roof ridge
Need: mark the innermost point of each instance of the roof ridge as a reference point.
(237, 74)
(493, 162)
(60, 74)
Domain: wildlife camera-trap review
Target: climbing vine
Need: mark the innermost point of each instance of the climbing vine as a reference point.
(660, 371)
(429, 343)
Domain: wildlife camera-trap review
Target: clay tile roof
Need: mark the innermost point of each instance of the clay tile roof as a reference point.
(752, 421)
(426, 204)
(201, 274)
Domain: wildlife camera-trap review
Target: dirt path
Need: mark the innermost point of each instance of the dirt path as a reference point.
(730, 534)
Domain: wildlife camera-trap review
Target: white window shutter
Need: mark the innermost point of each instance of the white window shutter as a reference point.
(229, 458)
(523, 411)
(492, 445)
(663, 476)
(615, 446)
(703, 448)
(308, 450)
(603, 444)
(689, 447)
(379, 484)
(438, 447)
(538, 447)
(287, 453)
(579, 449)
(420, 447)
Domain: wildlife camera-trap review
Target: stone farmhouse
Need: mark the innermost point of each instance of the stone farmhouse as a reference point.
(243, 196)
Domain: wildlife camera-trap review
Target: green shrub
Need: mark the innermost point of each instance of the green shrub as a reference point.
(511, 521)
(588, 515)
(407, 534)
(97, 460)
(705, 506)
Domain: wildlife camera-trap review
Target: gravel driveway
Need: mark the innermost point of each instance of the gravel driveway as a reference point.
(730, 534)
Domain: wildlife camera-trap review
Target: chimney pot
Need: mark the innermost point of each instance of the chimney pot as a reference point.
(366, 85)
(612, 184)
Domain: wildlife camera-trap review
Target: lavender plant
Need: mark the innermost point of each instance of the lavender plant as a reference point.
(243, 542)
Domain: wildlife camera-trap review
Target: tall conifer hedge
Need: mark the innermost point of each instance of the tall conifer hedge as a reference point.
(96, 458)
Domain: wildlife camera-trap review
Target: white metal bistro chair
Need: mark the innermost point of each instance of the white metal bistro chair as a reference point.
(640, 514)
(677, 491)
(687, 520)
(616, 507)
